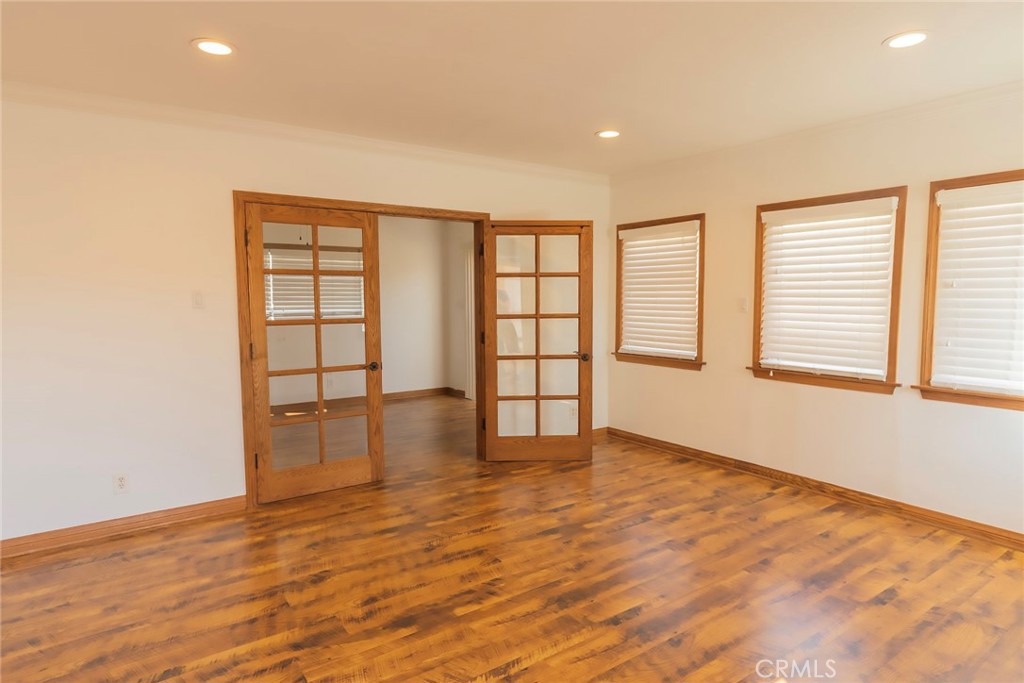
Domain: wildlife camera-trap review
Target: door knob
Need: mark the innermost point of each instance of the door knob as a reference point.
(584, 357)
(374, 366)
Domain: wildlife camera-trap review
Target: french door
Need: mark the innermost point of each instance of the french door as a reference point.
(538, 334)
(315, 353)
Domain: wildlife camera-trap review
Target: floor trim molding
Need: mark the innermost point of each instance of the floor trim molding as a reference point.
(57, 539)
(985, 532)
(420, 393)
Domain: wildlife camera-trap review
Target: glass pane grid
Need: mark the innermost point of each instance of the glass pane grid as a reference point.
(538, 335)
(320, 416)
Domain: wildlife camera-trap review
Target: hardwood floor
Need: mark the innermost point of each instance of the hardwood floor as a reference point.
(638, 567)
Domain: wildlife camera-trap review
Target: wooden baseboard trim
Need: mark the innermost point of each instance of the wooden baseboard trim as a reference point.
(600, 433)
(48, 541)
(419, 393)
(985, 532)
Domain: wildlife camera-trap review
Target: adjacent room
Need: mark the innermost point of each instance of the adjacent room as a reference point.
(596, 342)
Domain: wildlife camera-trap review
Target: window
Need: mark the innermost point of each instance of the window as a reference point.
(973, 338)
(661, 292)
(827, 290)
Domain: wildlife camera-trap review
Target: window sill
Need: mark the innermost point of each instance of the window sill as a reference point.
(974, 398)
(833, 381)
(681, 363)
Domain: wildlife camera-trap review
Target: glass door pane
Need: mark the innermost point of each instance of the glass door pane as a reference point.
(341, 296)
(559, 336)
(343, 344)
(517, 418)
(292, 396)
(559, 377)
(517, 295)
(288, 297)
(346, 437)
(559, 418)
(559, 295)
(559, 254)
(294, 445)
(287, 246)
(340, 248)
(517, 337)
(345, 392)
(291, 347)
(516, 253)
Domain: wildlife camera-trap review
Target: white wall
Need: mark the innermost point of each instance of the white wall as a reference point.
(960, 459)
(114, 214)
(457, 249)
(422, 332)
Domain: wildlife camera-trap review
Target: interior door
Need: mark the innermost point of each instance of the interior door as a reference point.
(315, 318)
(538, 334)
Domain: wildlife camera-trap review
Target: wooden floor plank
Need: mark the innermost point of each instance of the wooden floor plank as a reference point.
(639, 567)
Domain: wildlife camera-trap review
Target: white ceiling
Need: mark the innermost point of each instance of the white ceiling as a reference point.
(524, 81)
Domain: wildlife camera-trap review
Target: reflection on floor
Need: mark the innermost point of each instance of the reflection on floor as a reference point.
(638, 567)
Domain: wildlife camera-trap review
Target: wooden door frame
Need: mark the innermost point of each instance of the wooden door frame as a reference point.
(481, 223)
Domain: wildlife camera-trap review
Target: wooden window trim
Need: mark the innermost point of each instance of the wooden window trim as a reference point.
(970, 397)
(662, 361)
(889, 384)
(835, 381)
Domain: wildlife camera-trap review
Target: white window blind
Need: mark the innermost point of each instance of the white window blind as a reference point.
(660, 280)
(979, 296)
(291, 296)
(827, 288)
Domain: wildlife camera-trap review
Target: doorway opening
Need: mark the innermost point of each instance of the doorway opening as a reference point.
(427, 303)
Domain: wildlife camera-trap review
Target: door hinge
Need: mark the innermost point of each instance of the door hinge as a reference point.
(256, 460)
(247, 237)
(481, 337)
(252, 351)
(483, 425)
(481, 249)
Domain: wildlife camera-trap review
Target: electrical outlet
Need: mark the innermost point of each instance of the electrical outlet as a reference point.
(198, 300)
(120, 484)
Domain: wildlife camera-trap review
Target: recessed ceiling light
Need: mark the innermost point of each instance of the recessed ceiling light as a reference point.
(607, 133)
(213, 47)
(906, 39)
